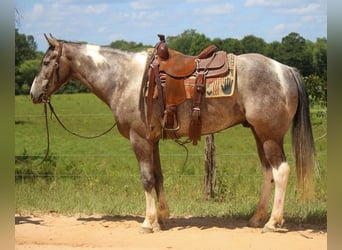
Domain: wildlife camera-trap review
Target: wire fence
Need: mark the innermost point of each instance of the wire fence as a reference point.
(166, 157)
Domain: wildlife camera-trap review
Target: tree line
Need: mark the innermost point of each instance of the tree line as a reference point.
(309, 57)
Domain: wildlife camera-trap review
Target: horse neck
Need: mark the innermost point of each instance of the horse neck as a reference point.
(104, 71)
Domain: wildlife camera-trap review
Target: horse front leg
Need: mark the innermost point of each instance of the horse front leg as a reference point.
(151, 179)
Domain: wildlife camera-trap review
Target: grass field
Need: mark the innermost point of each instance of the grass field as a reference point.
(102, 176)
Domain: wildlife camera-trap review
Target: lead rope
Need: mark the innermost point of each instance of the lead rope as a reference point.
(47, 139)
(74, 133)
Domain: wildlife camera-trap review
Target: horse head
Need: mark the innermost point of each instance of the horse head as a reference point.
(54, 72)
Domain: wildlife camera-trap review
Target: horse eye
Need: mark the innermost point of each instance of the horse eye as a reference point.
(46, 63)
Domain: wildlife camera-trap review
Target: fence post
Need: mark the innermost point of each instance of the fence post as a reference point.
(209, 166)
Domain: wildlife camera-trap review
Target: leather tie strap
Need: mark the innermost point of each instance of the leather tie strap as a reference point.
(161, 100)
(195, 128)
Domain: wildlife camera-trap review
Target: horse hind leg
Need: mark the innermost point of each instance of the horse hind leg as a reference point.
(280, 170)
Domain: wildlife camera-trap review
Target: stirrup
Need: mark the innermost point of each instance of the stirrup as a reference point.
(163, 123)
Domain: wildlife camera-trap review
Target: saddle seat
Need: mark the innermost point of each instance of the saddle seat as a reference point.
(176, 64)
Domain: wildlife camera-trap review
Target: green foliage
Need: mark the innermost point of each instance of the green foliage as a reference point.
(295, 52)
(320, 58)
(317, 90)
(129, 46)
(253, 44)
(26, 72)
(25, 48)
(27, 61)
(229, 44)
(183, 41)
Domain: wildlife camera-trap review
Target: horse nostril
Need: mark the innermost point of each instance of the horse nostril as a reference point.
(36, 99)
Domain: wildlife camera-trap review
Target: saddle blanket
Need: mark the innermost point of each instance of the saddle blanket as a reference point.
(216, 87)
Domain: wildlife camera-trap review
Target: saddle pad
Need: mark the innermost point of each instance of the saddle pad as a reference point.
(216, 87)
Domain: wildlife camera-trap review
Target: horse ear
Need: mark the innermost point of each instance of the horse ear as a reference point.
(51, 40)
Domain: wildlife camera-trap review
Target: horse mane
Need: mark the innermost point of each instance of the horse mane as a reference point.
(82, 43)
(104, 48)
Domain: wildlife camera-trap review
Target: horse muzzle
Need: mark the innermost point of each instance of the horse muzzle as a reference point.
(38, 93)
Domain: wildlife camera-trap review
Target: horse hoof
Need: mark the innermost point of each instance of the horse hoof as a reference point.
(273, 228)
(146, 230)
(254, 224)
(268, 229)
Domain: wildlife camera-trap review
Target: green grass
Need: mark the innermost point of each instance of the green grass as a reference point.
(102, 175)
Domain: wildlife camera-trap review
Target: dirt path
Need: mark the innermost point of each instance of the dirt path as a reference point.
(57, 232)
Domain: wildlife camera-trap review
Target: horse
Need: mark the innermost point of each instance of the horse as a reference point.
(269, 97)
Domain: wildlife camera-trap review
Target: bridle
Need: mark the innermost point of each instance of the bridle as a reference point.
(54, 77)
(59, 55)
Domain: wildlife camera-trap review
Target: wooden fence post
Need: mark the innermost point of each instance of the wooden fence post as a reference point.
(209, 166)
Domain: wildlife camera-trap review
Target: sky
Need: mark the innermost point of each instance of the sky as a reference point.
(104, 21)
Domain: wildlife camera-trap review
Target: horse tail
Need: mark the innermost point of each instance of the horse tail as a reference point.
(303, 141)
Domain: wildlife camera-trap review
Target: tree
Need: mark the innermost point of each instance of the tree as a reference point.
(320, 57)
(27, 61)
(25, 75)
(199, 42)
(189, 42)
(182, 42)
(230, 45)
(253, 44)
(294, 52)
(317, 90)
(129, 46)
(273, 50)
(25, 48)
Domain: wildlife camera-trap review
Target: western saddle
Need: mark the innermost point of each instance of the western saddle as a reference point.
(167, 72)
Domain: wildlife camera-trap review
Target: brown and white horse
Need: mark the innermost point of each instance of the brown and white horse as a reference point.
(268, 98)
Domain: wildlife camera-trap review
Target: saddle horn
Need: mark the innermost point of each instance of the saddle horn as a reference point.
(162, 48)
(161, 38)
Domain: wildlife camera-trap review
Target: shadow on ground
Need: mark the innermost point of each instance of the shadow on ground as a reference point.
(181, 223)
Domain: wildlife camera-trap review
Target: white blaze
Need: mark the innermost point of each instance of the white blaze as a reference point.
(33, 86)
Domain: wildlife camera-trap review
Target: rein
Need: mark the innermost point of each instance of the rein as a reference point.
(74, 133)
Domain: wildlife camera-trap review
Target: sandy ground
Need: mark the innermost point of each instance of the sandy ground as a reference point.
(57, 232)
